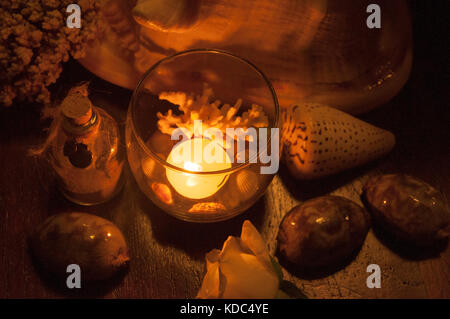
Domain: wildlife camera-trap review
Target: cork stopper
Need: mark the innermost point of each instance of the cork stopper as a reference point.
(77, 108)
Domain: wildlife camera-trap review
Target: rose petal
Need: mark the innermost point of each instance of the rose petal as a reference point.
(253, 240)
(242, 269)
(245, 276)
(211, 282)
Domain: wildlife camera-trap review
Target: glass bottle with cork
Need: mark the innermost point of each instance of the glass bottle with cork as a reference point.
(86, 152)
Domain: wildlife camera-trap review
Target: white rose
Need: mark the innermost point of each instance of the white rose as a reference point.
(243, 269)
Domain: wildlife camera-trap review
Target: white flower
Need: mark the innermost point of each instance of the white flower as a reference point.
(243, 269)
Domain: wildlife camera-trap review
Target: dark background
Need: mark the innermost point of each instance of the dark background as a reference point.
(167, 254)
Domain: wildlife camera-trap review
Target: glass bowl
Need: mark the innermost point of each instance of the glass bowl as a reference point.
(197, 191)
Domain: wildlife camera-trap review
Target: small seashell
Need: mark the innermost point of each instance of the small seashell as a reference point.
(247, 183)
(163, 192)
(207, 207)
(230, 195)
(148, 166)
(92, 242)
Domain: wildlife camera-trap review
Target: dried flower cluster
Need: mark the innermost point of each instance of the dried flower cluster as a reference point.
(212, 114)
(34, 41)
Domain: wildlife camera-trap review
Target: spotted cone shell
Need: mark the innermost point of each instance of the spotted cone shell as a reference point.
(319, 140)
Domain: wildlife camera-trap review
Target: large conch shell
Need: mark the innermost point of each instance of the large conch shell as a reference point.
(314, 50)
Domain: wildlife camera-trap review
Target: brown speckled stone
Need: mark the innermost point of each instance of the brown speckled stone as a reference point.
(92, 242)
(323, 231)
(408, 208)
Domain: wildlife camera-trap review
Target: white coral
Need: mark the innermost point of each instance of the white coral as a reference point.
(212, 115)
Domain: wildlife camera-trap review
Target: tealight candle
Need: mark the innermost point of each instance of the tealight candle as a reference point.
(198, 155)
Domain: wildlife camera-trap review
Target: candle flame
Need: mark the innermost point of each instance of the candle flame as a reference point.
(191, 181)
(193, 167)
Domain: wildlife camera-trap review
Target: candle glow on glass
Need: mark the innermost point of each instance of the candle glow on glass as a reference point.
(185, 155)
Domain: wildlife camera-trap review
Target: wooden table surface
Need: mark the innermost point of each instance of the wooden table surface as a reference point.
(168, 254)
